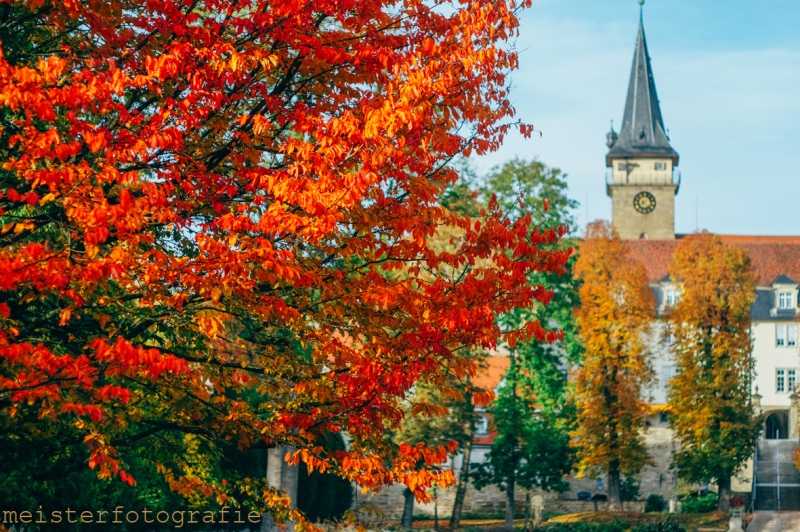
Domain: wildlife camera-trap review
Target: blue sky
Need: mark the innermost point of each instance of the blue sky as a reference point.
(728, 77)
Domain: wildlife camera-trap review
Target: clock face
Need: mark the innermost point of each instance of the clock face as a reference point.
(644, 202)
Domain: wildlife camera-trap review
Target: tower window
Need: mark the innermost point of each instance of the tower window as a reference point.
(785, 300)
(622, 166)
(661, 166)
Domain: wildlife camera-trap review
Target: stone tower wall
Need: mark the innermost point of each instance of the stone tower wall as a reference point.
(631, 225)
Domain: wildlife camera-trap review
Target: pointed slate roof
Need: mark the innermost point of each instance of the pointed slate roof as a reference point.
(782, 279)
(643, 131)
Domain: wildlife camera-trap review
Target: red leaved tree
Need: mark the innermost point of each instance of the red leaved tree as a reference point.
(216, 221)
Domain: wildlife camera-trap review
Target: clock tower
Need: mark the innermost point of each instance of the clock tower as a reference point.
(643, 179)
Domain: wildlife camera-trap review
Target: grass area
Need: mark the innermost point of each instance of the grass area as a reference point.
(689, 521)
(482, 525)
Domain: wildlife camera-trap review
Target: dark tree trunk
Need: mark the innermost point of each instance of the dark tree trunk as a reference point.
(614, 491)
(510, 504)
(408, 510)
(511, 480)
(724, 492)
(527, 524)
(461, 489)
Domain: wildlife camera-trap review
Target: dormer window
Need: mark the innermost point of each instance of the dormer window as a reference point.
(482, 426)
(672, 297)
(785, 300)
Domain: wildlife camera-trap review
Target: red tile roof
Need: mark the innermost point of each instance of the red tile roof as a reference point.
(488, 378)
(771, 255)
(489, 438)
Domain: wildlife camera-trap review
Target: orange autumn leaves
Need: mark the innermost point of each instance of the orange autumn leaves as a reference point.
(617, 307)
(708, 401)
(201, 200)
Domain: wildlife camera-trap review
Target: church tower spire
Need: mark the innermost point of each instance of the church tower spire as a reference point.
(643, 131)
(643, 182)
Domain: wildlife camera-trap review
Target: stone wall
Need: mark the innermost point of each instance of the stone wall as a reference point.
(659, 478)
(489, 500)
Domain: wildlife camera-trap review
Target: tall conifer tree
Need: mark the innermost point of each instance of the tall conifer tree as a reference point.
(709, 399)
(617, 307)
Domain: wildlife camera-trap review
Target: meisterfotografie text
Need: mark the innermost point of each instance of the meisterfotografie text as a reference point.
(120, 515)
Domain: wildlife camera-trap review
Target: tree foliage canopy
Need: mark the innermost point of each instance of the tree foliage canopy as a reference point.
(533, 413)
(709, 400)
(617, 306)
(216, 221)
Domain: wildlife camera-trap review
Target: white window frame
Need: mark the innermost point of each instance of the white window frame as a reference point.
(672, 296)
(667, 374)
(791, 335)
(482, 426)
(791, 380)
(785, 300)
(780, 335)
(780, 380)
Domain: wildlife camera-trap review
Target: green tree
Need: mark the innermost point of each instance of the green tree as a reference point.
(531, 448)
(710, 402)
(532, 414)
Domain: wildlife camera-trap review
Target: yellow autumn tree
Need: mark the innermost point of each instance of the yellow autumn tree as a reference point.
(710, 402)
(617, 307)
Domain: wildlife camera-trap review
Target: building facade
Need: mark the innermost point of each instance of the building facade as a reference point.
(642, 183)
(643, 180)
